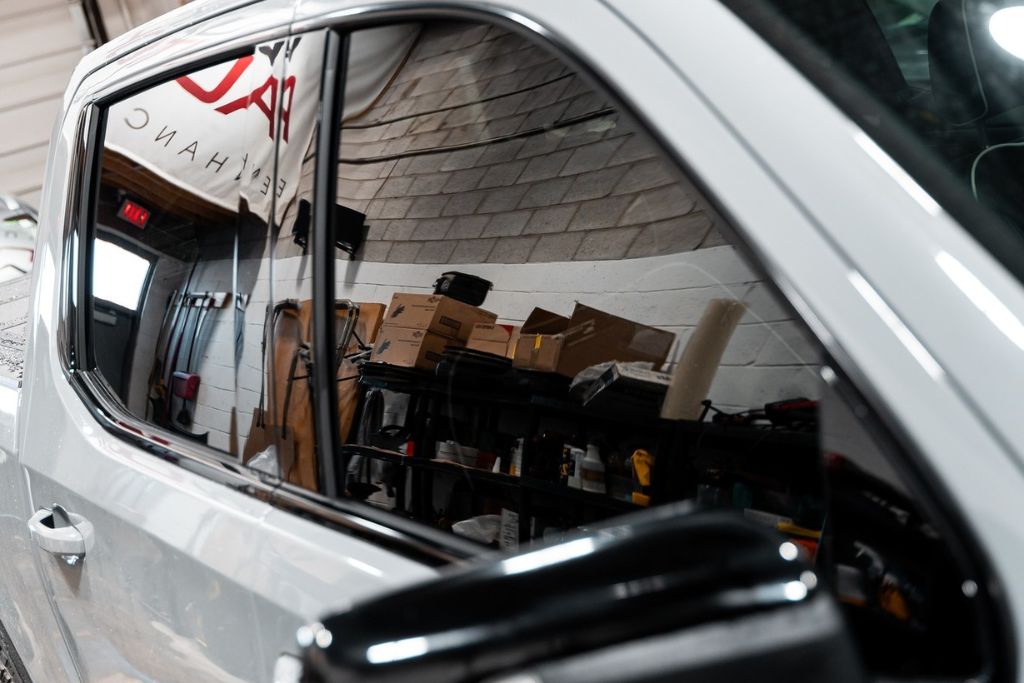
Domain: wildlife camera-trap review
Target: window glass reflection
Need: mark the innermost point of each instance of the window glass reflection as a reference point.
(548, 326)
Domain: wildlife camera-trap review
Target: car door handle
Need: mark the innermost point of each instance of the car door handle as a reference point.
(62, 533)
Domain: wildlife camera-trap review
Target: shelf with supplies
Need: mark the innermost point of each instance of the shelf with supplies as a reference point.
(486, 478)
(484, 418)
(515, 388)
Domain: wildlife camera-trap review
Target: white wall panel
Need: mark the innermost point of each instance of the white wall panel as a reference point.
(41, 47)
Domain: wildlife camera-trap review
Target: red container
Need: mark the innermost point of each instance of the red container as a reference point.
(186, 385)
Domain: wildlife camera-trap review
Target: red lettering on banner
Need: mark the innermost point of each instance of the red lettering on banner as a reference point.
(221, 89)
(287, 95)
(257, 97)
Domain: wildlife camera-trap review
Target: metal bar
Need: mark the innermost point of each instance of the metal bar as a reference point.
(325, 389)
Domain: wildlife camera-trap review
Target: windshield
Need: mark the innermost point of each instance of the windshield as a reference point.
(937, 83)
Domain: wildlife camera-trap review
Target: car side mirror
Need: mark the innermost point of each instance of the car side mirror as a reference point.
(665, 594)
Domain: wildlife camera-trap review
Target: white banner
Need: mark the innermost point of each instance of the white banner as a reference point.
(212, 132)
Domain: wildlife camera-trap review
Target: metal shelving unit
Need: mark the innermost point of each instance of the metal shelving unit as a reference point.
(676, 445)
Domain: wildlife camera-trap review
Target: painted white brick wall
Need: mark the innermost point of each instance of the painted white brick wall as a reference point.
(768, 358)
(222, 386)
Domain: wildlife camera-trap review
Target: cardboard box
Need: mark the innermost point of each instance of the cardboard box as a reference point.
(410, 348)
(554, 343)
(540, 341)
(622, 387)
(493, 338)
(441, 315)
(497, 348)
(538, 352)
(513, 342)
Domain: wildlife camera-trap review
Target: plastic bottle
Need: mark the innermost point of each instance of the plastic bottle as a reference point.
(516, 467)
(576, 474)
(592, 474)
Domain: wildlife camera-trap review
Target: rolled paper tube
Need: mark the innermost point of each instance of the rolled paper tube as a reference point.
(695, 371)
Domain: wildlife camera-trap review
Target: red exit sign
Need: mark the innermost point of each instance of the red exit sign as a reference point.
(134, 213)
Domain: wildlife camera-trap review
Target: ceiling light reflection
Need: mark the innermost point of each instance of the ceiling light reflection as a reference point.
(1007, 29)
(892, 321)
(396, 650)
(982, 297)
(545, 557)
(795, 591)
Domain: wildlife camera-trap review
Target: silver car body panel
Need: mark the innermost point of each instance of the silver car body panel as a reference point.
(206, 583)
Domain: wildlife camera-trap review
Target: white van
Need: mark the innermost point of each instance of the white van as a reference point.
(527, 341)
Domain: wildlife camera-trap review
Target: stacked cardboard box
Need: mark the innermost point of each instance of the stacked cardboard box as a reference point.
(418, 327)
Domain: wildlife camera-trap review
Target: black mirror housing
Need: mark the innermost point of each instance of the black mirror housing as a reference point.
(656, 572)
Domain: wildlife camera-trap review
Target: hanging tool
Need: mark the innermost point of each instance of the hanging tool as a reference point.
(180, 304)
(189, 305)
(203, 306)
(173, 304)
(347, 332)
(284, 433)
(159, 390)
(211, 301)
(156, 387)
(186, 384)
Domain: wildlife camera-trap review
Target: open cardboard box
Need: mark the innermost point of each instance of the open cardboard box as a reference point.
(494, 338)
(553, 343)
